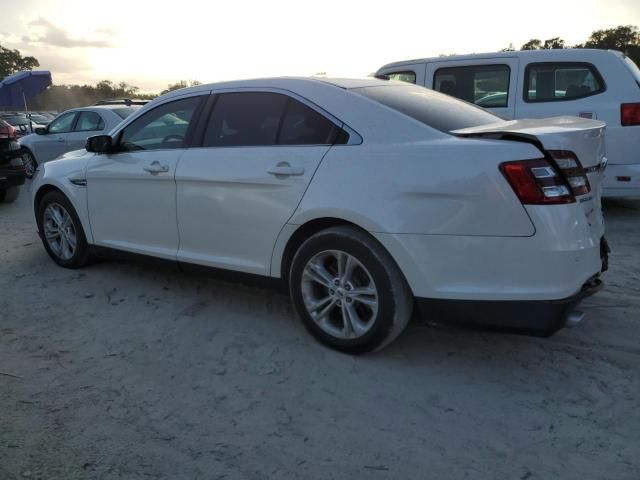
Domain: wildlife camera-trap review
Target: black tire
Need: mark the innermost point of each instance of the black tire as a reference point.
(80, 256)
(394, 297)
(9, 195)
(30, 162)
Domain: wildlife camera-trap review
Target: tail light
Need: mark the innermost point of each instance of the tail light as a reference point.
(537, 182)
(7, 132)
(629, 114)
(572, 170)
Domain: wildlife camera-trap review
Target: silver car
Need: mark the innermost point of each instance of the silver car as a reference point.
(70, 130)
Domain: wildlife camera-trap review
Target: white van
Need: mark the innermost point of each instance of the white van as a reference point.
(598, 84)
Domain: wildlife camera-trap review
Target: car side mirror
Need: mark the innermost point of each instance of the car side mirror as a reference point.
(99, 144)
(41, 131)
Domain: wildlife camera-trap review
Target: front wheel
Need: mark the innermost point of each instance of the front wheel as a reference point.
(61, 231)
(348, 290)
(30, 163)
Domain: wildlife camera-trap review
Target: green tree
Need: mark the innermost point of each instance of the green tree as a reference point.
(554, 43)
(11, 61)
(624, 38)
(181, 84)
(533, 44)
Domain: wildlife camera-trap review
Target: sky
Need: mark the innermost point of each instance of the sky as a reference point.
(150, 44)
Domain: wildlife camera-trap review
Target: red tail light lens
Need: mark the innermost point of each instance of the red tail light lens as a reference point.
(572, 170)
(537, 182)
(630, 114)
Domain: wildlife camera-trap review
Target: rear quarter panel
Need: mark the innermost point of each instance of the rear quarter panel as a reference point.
(448, 186)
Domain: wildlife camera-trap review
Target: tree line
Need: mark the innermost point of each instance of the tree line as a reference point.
(624, 38)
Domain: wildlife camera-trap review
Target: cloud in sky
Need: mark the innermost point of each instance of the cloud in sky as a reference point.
(53, 35)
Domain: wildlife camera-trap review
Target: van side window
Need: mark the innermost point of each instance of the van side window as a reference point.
(558, 81)
(406, 76)
(485, 85)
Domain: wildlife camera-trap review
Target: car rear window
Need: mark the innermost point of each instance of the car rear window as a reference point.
(124, 112)
(434, 109)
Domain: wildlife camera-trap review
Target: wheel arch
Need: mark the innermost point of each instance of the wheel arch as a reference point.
(76, 202)
(282, 262)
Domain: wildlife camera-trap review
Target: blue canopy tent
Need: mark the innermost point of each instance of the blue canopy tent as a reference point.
(16, 89)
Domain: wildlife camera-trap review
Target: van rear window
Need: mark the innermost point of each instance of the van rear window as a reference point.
(434, 109)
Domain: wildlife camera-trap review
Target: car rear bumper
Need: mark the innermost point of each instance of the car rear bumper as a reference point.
(530, 317)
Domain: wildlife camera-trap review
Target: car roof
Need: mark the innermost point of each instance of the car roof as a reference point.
(540, 54)
(284, 83)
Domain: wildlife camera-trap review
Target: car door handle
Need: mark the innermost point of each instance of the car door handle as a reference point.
(284, 169)
(155, 167)
(60, 139)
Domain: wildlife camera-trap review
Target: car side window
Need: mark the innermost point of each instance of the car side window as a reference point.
(243, 119)
(302, 125)
(561, 81)
(485, 85)
(62, 124)
(164, 127)
(89, 122)
(405, 76)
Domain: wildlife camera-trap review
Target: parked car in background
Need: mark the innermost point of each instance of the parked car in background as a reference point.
(41, 120)
(364, 196)
(597, 84)
(21, 122)
(12, 172)
(69, 131)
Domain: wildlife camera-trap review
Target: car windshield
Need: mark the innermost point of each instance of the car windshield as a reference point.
(434, 109)
(39, 118)
(124, 112)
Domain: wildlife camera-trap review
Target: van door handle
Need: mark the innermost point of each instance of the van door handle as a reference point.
(286, 170)
(155, 167)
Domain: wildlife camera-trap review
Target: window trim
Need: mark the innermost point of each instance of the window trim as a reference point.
(435, 73)
(592, 68)
(399, 72)
(71, 127)
(198, 137)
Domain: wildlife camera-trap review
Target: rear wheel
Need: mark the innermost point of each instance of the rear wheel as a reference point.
(30, 163)
(61, 231)
(9, 195)
(348, 290)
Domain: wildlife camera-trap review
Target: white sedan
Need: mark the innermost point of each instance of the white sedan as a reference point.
(366, 197)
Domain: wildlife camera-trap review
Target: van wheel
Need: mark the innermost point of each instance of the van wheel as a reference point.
(348, 291)
(61, 231)
(9, 195)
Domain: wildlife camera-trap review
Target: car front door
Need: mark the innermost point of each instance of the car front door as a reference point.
(132, 191)
(54, 142)
(87, 124)
(490, 83)
(259, 152)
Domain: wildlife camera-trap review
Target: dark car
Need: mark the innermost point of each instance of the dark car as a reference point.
(12, 173)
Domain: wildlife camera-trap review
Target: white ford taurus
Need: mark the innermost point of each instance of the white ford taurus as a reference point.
(366, 196)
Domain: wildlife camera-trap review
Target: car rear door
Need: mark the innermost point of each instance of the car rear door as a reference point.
(132, 192)
(259, 152)
(490, 83)
(87, 124)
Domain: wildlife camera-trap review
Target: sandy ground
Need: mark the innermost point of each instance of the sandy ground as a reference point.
(124, 370)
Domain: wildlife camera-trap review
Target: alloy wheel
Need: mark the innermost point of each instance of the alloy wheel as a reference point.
(339, 294)
(59, 231)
